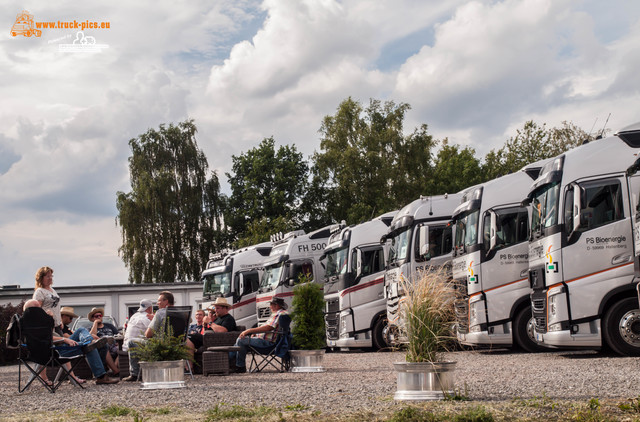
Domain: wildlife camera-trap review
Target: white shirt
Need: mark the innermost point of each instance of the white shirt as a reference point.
(136, 327)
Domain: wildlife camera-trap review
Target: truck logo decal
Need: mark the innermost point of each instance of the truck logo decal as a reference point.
(472, 278)
(552, 266)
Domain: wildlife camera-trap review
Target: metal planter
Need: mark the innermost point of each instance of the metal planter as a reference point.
(162, 374)
(424, 380)
(307, 360)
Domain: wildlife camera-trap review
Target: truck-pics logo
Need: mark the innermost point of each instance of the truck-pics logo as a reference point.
(24, 25)
(552, 266)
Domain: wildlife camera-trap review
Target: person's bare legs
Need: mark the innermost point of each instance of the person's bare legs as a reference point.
(113, 365)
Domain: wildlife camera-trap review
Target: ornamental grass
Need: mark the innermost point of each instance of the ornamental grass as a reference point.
(429, 315)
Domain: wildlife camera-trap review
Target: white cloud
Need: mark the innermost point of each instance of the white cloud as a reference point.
(473, 70)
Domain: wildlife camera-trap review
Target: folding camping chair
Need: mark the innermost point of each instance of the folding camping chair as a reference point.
(178, 318)
(37, 347)
(276, 355)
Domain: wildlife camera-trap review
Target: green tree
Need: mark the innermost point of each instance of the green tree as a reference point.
(531, 143)
(455, 169)
(366, 165)
(170, 219)
(266, 185)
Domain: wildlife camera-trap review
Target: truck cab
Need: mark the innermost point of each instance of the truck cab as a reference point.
(236, 277)
(420, 237)
(490, 263)
(293, 255)
(354, 262)
(582, 249)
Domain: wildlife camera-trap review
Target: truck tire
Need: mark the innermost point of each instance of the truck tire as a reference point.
(523, 331)
(377, 334)
(621, 327)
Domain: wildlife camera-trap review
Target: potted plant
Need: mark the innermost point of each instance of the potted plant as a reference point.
(309, 338)
(429, 315)
(162, 359)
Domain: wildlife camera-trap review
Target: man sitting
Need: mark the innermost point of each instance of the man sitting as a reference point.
(138, 323)
(109, 353)
(223, 323)
(71, 348)
(262, 336)
(165, 300)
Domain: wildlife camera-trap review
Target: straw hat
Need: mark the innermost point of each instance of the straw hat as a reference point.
(221, 301)
(68, 310)
(95, 311)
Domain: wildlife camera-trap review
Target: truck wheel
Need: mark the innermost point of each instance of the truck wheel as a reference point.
(621, 327)
(377, 334)
(524, 331)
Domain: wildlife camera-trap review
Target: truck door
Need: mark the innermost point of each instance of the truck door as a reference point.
(439, 244)
(599, 242)
(369, 262)
(505, 234)
(634, 203)
(246, 286)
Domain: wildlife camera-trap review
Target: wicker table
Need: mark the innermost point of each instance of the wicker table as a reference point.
(216, 360)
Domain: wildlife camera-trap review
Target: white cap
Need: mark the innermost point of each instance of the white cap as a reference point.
(145, 304)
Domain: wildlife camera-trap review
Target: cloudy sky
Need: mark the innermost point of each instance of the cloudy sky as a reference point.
(474, 71)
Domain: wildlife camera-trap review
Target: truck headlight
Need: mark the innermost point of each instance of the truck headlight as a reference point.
(476, 308)
(555, 327)
(553, 300)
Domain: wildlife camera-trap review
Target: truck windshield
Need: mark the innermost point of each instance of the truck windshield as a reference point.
(466, 230)
(399, 250)
(336, 262)
(271, 276)
(544, 207)
(217, 283)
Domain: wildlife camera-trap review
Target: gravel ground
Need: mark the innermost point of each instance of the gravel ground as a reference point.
(354, 382)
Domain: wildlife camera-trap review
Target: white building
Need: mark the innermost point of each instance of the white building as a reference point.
(118, 300)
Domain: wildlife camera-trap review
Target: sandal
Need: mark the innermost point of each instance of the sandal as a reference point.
(78, 380)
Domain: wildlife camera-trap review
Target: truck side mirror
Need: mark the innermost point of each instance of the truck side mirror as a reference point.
(358, 258)
(579, 217)
(493, 238)
(423, 240)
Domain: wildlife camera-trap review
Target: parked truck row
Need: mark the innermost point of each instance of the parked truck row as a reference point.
(548, 256)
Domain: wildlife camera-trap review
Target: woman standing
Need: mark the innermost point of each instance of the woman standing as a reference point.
(48, 298)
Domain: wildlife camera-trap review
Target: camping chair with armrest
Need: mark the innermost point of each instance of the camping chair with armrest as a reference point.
(277, 354)
(37, 347)
(178, 318)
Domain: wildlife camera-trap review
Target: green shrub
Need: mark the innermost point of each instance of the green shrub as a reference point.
(308, 317)
(163, 346)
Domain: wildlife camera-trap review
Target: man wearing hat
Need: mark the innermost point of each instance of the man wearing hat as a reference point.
(67, 315)
(262, 336)
(138, 323)
(223, 323)
(109, 353)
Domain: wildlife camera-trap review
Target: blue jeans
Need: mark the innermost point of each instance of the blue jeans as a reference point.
(83, 337)
(134, 363)
(241, 355)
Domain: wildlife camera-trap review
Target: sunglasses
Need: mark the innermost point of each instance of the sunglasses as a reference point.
(97, 315)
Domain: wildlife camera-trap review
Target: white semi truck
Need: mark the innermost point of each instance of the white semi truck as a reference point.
(356, 310)
(293, 254)
(236, 277)
(491, 263)
(420, 238)
(581, 251)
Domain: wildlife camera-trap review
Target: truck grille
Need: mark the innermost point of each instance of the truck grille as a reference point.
(539, 309)
(264, 313)
(462, 315)
(332, 319)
